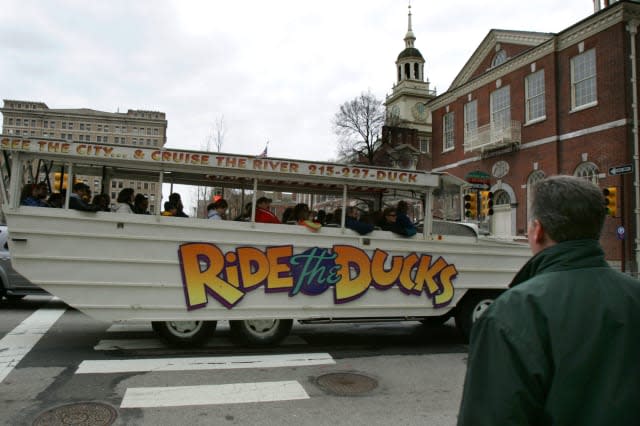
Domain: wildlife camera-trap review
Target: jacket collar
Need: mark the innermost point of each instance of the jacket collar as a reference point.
(576, 254)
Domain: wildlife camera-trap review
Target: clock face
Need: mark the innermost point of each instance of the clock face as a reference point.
(395, 111)
(419, 111)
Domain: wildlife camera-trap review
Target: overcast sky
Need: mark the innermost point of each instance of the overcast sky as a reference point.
(275, 70)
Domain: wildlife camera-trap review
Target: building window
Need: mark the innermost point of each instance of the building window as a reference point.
(470, 122)
(64, 125)
(33, 123)
(116, 139)
(501, 108)
(106, 127)
(69, 136)
(588, 171)
(10, 121)
(447, 134)
(534, 178)
(98, 138)
(81, 126)
(105, 139)
(501, 197)
(155, 132)
(424, 142)
(81, 138)
(583, 79)
(52, 124)
(99, 127)
(87, 138)
(70, 126)
(534, 94)
(18, 121)
(499, 58)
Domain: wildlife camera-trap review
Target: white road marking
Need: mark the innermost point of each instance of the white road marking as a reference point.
(202, 363)
(213, 394)
(19, 341)
(137, 344)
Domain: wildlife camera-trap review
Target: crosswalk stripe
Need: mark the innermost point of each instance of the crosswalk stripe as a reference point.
(19, 341)
(202, 363)
(212, 394)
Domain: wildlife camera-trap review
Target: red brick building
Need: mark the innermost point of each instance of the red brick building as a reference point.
(529, 105)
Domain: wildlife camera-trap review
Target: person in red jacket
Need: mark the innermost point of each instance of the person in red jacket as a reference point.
(263, 214)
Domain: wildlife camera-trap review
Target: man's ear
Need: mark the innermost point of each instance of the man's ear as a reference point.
(537, 232)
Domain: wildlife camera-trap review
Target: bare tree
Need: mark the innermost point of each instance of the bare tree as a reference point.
(214, 142)
(358, 124)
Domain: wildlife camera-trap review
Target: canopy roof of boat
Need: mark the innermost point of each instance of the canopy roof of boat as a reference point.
(206, 168)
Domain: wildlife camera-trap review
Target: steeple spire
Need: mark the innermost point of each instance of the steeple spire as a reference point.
(409, 38)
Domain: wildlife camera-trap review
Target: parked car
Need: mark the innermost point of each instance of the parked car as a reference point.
(13, 286)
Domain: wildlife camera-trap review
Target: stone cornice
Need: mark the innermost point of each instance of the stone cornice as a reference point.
(494, 74)
(525, 38)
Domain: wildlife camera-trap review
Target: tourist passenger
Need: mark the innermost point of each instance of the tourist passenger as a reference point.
(216, 210)
(56, 199)
(245, 216)
(81, 192)
(141, 204)
(102, 202)
(34, 194)
(263, 214)
(177, 201)
(301, 215)
(287, 215)
(170, 209)
(388, 219)
(352, 221)
(404, 225)
(125, 201)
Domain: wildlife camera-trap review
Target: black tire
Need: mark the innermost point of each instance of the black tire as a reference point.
(473, 305)
(184, 334)
(14, 296)
(263, 332)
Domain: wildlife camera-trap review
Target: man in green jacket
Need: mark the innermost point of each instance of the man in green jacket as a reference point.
(562, 346)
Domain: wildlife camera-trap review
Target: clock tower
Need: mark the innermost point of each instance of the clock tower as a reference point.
(407, 129)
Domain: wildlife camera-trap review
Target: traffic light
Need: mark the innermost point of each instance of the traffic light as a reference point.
(486, 203)
(59, 181)
(471, 205)
(611, 200)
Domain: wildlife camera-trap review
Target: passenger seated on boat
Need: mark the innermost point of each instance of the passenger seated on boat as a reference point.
(337, 217)
(287, 216)
(56, 199)
(352, 221)
(33, 194)
(177, 201)
(301, 214)
(263, 214)
(321, 217)
(216, 210)
(102, 202)
(77, 199)
(125, 201)
(388, 219)
(404, 225)
(141, 204)
(170, 209)
(245, 216)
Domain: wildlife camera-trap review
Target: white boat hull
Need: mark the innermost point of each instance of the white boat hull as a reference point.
(123, 267)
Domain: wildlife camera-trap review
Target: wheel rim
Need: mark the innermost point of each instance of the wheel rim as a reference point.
(184, 328)
(480, 308)
(262, 327)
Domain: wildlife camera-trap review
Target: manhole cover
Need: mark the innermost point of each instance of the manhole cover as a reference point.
(346, 383)
(79, 414)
